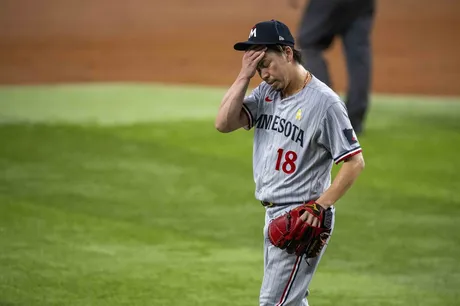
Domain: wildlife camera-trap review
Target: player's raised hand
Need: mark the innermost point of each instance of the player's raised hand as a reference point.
(250, 60)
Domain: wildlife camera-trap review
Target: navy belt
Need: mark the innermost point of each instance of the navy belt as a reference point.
(271, 204)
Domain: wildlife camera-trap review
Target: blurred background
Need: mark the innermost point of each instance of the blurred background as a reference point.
(115, 188)
(414, 42)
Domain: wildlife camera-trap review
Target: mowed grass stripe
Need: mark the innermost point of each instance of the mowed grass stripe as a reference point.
(111, 104)
(106, 104)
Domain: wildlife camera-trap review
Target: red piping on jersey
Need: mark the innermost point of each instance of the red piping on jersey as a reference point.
(290, 282)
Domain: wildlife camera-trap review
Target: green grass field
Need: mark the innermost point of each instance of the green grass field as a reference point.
(127, 195)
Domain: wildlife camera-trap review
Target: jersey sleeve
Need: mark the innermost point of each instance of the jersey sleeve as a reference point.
(250, 106)
(337, 135)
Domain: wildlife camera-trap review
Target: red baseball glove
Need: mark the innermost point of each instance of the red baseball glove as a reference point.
(290, 233)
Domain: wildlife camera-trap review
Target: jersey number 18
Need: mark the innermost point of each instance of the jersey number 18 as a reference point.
(288, 165)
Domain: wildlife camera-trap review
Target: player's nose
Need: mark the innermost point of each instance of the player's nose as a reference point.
(264, 74)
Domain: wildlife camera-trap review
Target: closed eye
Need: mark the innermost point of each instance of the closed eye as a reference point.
(262, 64)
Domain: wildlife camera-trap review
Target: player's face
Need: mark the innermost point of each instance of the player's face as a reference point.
(273, 69)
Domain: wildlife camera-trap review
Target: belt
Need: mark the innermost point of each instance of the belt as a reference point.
(271, 204)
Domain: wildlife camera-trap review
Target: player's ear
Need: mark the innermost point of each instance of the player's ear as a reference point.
(289, 54)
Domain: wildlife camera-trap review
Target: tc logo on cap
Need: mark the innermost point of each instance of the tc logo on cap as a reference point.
(253, 32)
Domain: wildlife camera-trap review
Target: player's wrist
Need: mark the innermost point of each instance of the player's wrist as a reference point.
(324, 204)
(245, 75)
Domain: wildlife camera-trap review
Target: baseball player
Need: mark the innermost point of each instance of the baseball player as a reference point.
(301, 129)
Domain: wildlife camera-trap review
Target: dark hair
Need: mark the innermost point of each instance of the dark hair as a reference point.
(280, 49)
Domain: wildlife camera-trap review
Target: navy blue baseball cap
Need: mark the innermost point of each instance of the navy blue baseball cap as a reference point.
(272, 32)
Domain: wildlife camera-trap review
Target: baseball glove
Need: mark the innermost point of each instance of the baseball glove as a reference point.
(290, 233)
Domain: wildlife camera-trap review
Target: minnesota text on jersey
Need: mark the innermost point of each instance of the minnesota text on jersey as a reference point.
(282, 126)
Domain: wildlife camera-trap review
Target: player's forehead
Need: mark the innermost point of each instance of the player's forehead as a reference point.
(271, 55)
(270, 49)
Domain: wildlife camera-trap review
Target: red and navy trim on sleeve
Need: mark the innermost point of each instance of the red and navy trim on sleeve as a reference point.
(249, 115)
(347, 154)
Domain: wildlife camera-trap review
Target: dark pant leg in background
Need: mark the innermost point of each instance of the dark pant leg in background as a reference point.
(357, 45)
(316, 33)
(352, 19)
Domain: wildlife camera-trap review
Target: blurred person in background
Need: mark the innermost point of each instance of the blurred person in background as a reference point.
(352, 20)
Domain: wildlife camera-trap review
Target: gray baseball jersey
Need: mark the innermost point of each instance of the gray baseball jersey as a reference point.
(296, 141)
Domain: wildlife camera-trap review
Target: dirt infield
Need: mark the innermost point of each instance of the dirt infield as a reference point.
(415, 45)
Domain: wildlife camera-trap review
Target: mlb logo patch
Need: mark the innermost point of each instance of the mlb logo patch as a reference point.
(350, 135)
